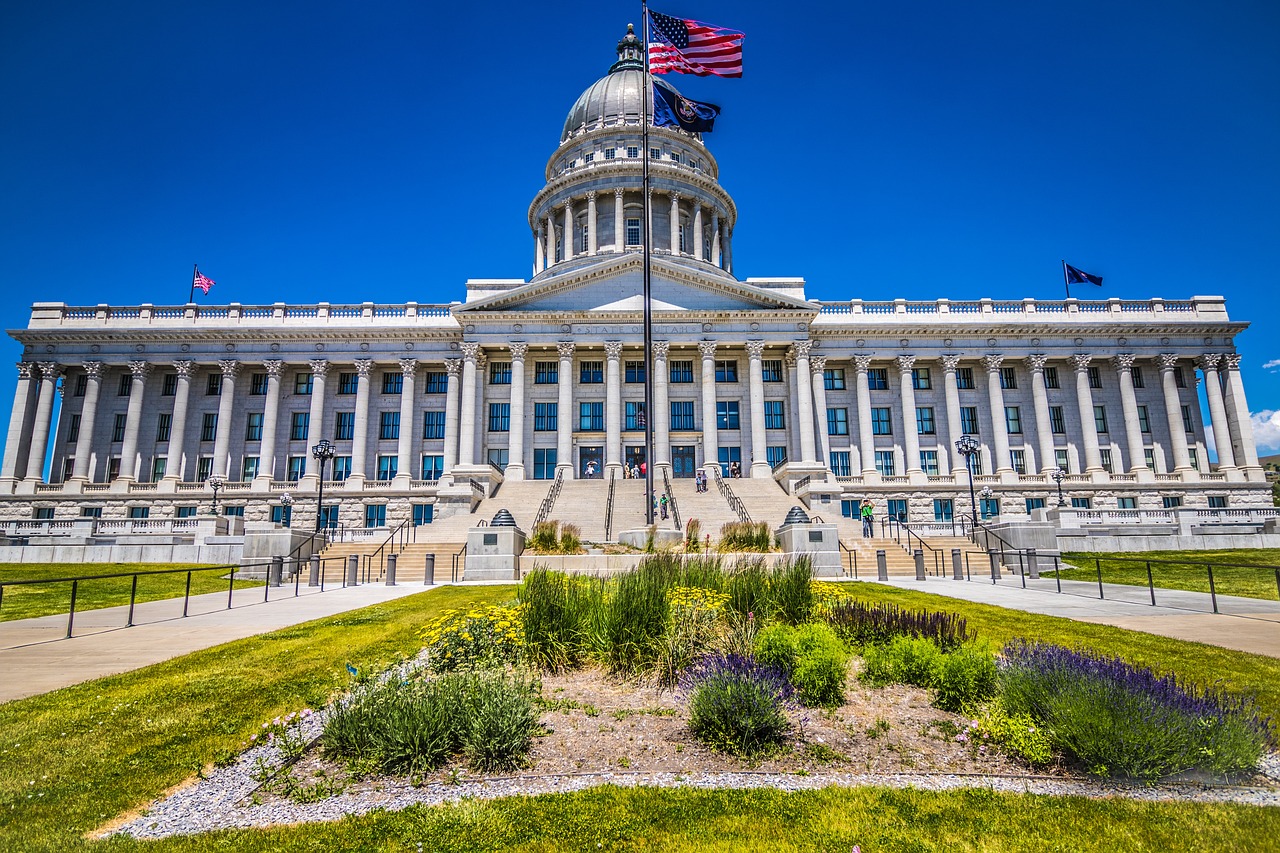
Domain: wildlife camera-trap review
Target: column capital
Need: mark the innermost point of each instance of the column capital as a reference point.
(591, 195)
(660, 349)
(518, 349)
(184, 368)
(1081, 361)
(93, 369)
(1036, 361)
(50, 370)
(568, 206)
(950, 363)
(274, 366)
(675, 198)
(992, 362)
(470, 350)
(229, 367)
(802, 348)
(613, 350)
(1209, 361)
(139, 369)
(408, 364)
(862, 363)
(707, 348)
(319, 366)
(1167, 360)
(1124, 361)
(617, 194)
(906, 363)
(363, 367)
(26, 369)
(817, 364)
(565, 348)
(755, 349)
(789, 358)
(453, 367)
(1231, 360)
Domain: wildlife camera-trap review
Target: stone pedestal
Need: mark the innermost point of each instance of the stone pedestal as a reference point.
(818, 542)
(493, 553)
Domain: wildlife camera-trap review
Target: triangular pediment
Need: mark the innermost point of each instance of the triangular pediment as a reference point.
(616, 285)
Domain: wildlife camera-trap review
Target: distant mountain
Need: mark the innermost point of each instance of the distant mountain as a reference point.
(1270, 461)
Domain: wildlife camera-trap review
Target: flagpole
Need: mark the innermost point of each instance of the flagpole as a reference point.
(191, 297)
(649, 414)
(1066, 280)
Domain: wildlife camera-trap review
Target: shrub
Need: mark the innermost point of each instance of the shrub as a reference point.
(737, 705)
(470, 639)
(560, 616)
(544, 538)
(962, 678)
(811, 656)
(790, 590)
(905, 660)
(1017, 734)
(862, 624)
(1122, 720)
(570, 539)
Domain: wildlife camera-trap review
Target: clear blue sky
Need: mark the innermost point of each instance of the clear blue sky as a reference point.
(388, 151)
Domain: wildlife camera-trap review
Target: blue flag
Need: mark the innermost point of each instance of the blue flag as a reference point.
(671, 109)
(1077, 276)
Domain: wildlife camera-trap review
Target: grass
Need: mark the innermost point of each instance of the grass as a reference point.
(25, 602)
(1187, 571)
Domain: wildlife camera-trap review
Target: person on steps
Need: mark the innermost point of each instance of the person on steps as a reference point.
(867, 513)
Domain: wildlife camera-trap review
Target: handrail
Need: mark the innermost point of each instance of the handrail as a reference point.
(735, 503)
(294, 557)
(476, 487)
(544, 508)
(671, 499)
(608, 507)
(459, 557)
(399, 530)
(986, 545)
(919, 540)
(853, 557)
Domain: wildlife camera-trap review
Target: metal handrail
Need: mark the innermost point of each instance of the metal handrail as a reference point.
(986, 545)
(293, 556)
(937, 554)
(853, 557)
(735, 503)
(608, 507)
(459, 557)
(544, 509)
(399, 530)
(671, 499)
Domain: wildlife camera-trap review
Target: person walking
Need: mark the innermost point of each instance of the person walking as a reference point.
(662, 504)
(644, 469)
(867, 513)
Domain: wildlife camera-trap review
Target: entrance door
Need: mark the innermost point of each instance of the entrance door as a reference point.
(593, 457)
(729, 455)
(633, 456)
(682, 461)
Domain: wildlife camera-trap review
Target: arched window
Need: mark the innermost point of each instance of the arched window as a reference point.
(686, 238)
(584, 234)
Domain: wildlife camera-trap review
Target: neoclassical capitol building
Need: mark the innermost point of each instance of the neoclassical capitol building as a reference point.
(132, 409)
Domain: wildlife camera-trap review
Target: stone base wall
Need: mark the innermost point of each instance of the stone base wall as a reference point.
(223, 553)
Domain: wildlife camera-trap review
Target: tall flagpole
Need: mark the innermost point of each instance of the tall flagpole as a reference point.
(195, 268)
(649, 414)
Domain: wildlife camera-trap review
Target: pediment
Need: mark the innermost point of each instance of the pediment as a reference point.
(616, 285)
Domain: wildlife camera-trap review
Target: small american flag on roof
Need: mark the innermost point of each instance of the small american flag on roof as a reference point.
(202, 281)
(692, 47)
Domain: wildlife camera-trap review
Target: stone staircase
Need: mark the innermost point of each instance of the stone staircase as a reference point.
(709, 507)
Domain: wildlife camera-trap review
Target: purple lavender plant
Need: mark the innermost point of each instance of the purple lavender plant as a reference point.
(737, 705)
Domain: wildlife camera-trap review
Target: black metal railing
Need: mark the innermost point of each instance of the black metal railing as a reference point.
(974, 531)
(608, 507)
(896, 527)
(671, 499)
(459, 564)
(851, 559)
(395, 542)
(735, 503)
(544, 508)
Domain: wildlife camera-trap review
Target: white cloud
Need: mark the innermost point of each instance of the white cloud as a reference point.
(1273, 363)
(1266, 431)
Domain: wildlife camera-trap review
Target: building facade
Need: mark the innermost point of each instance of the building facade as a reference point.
(133, 409)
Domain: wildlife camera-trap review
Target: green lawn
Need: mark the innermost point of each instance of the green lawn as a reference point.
(24, 602)
(73, 759)
(1186, 572)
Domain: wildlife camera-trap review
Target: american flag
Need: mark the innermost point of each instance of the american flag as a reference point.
(691, 47)
(202, 281)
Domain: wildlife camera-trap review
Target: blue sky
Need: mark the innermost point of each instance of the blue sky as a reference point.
(348, 152)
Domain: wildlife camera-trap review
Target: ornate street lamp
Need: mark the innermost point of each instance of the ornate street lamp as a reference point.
(286, 501)
(216, 482)
(986, 495)
(1058, 476)
(967, 445)
(323, 452)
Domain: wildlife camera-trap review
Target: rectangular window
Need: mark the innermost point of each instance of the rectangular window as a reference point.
(838, 421)
(393, 382)
(634, 372)
(437, 382)
(82, 385)
(1051, 379)
(73, 430)
(499, 373)
(258, 385)
(1062, 459)
(969, 420)
(1217, 501)
(943, 509)
(300, 425)
(214, 386)
(591, 417)
(925, 423)
(681, 372)
(253, 426)
(545, 417)
(1034, 503)
(499, 417)
(139, 511)
(168, 386)
(840, 463)
(1195, 457)
(186, 511)
(1095, 377)
(344, 426)
(432, 425)
(885, 464)
(929, 462)
(387, 465)
(1018, 461)
(773, 415)
(248, 470)
(348, 383)
(682, 415)
(610, 153)
(209, 426)
(878, 378)
(294, 468)
(1136, 373)
(302, 384)
(375, 515)
(204, 467)
(975, 464)
(1171, 502)
(113, 467)
(233, 511)
(591, 372)
(161, 465)
(546, 372)
(726, 371)
(388, 426)
(1008, 377)
(775, 454)
(881, 421)
(1188, 425)
(833, 378)
(1100, 418)
(341, 468)
(920, 379)
(1057, 423)
(727, 414)
(91, 512)
(633, 417)
(964, 378)
(544, 463)
(896, 508)
(633, 152)
(499, 456)
(432, 466)
(771, 369)
(1126, 503)
(633, 229)
(655, 153)
(1104, 455)
(1013, 419)
(126, 385)
(989, 507)
(1144, 420)
(1149, 457)
(282, 515)
(589, 157)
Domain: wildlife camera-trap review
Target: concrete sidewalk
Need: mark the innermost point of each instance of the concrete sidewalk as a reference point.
(1243, 624)
(34, 657)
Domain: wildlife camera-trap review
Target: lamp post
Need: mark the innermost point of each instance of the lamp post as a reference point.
(967, 445)
(985, 494)
(1058, 476)
(323, 452)
(286, 501)
(216, 482)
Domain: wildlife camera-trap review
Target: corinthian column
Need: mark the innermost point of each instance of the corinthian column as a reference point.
(612, 406)
(1129, 403)
(710, 440)
(759, 442)
(515, 438)
(910, 430)
(697, 236)
(452, 400)
(408, 423)
(951, 392)
(315, 420)
(467, 428)
(675, 223)
(539, 260)
(88, 416)
(50, 372)
(19, 423)
(866, 438)
(715, 238)
(1040, 399)
(176, 462)
(133, 420)
(568, 229)
(999, 426)
(804, 401)
(660, 417)
(360, 432)
(270, 417)
(566, 417)
(1088, 426)
(1173, 413)
(551, 241)
(1238, 419)
(619, 223)
(593, 242)
(818, 380)
(1208, 364)
(226, 406)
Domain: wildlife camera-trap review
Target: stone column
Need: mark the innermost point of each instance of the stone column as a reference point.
(1088, 426)
(999, 426)
(360, 433)
(675, 223)
(452, 400)
(568, 229)
(175, 461)
(1168, 362)
(408, 409)
(1208, 364)
(19, 423)
(50, 372)
(1129, 403)
(866, 439)
(715, 238)
(660, 418)
(315, 421)
(1238, 421)
(951, 392)
(804, 402)
(1040, 398)
(910, 430)
(697, 239)
(129, 461)
(515, 438)
(539, 258)
(612, 406)
(567, 417)
(710, 440)
(619, 224)
(467, 415)
(88, 416)
(551, 241)
(817, 368)
(270, 419)
(593, 242)
(759, 440)
(226, 406)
